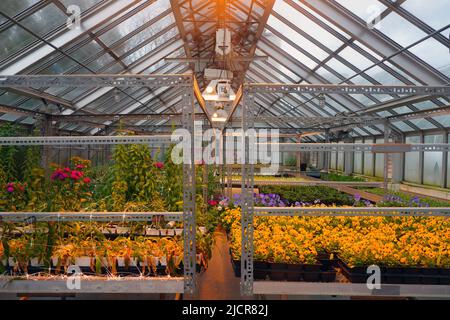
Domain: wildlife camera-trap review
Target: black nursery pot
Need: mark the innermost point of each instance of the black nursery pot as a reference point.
(393, 278)
(312, 267)
(294, 272)
(358, 270)
(358, 277)
(412, 270)
(311, 276)
(445, 280)
(430, 271)
(445, 272)
(430, 279)
(277, 271)
(328, 276)
(260, 270)
(392, 270)
(412, 279)
(261, 265)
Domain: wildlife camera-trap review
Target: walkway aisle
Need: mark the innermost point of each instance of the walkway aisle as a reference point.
(218, 281)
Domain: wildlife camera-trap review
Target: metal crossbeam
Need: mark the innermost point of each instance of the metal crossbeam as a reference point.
(98, 285)
(442, 111)
(350, 289)
(352, 212)
(347, 89)
(80, 140)
(116, 117)
(313, 183)
(360, 147)
(96, 81)
(28, 217)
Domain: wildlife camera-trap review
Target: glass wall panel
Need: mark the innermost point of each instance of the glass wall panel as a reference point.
(368, 160)
(333, 160)
(379, 162)
(412, 170)
(432, 162)
(340, 159)
(357, 160)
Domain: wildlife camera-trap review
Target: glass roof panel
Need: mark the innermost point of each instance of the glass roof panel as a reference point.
(444, 120)
(83, 4)
(402, 126)
(422, 124)
(340, 68)
(360, 132)
(400, 30)
(45, 20)
(383, 77)
(438, 57)
(296, 38)
(365, 9)
(395, 69)
(307, 25)
(13, 39)
(330, 77)
(14, 7)
(141, 37)
(148, 48)
(134, 22)
(434, 13)
(300, 57)
(355, 58)
(9, 117)
(9, 98)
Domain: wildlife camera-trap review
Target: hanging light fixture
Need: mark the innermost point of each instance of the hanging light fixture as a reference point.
(220, 115)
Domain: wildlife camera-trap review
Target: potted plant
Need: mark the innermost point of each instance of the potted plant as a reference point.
(173, 257)
(119, 254)
(3, 259)
(147, 253)
(18, 254)
(37, 246)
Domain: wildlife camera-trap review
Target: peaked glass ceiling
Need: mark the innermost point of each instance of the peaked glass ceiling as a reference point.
(387, 42)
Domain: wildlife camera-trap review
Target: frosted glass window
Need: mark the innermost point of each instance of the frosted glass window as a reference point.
(412, 170)
(432, 170)
(379, 162)
(333, 160)
(340, 165)
(357, 160)
(368, 161)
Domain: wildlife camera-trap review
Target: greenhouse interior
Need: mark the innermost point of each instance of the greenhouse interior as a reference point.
(224, 149)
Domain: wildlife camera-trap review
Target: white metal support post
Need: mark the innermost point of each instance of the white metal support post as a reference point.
(247, 202)
(387, 133)
(189, 194)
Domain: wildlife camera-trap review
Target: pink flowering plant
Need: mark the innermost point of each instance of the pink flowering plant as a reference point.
(70, 186)
(14, 196)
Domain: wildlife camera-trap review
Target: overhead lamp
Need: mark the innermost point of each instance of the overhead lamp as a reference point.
(220, 115)
(322, 100)
(219, 90)
(209, 89)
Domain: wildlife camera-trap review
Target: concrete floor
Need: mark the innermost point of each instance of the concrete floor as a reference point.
(218, 282)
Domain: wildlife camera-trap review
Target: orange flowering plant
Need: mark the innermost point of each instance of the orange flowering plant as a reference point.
(359, 241)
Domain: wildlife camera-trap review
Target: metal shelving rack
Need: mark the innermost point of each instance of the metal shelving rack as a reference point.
(187, 284)
(248, 285)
